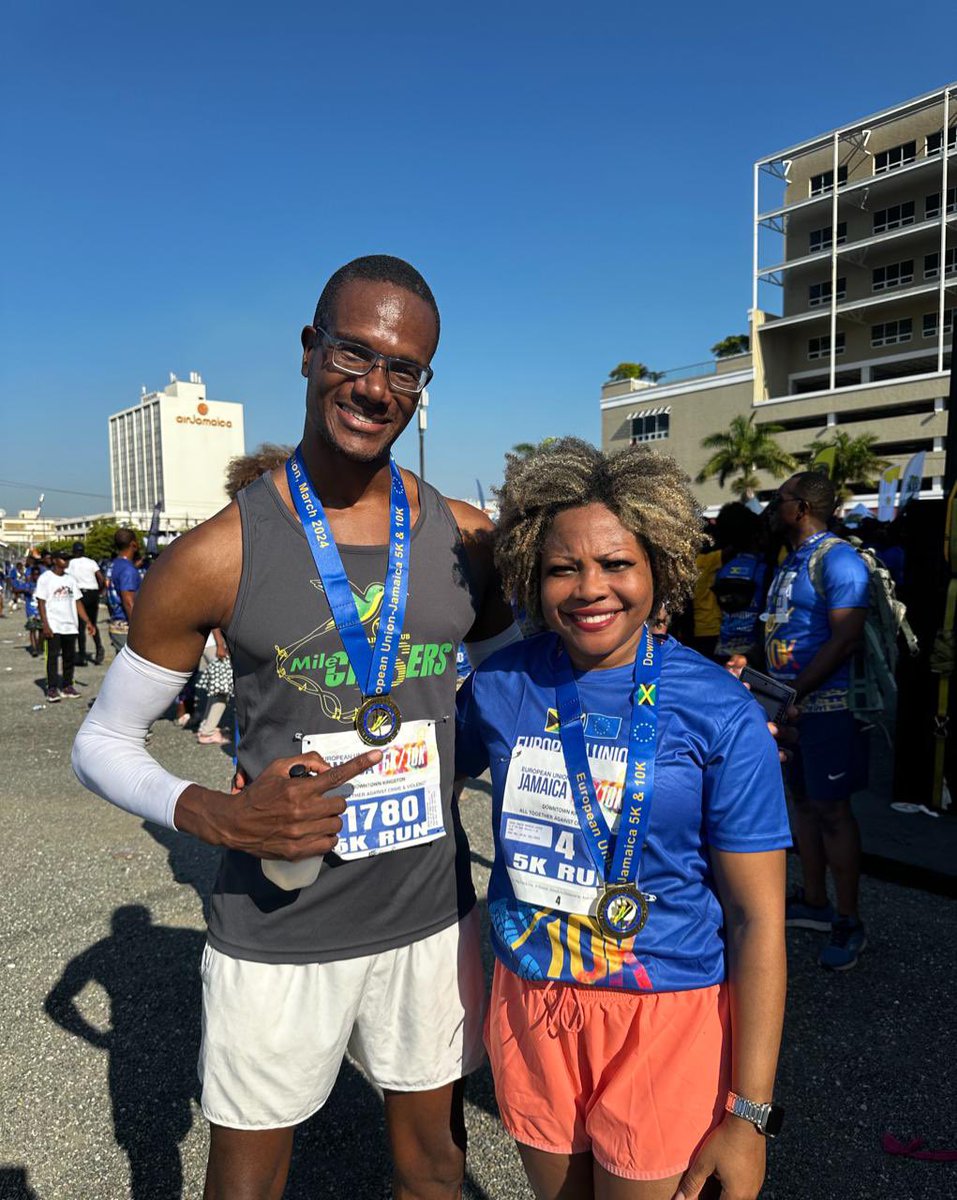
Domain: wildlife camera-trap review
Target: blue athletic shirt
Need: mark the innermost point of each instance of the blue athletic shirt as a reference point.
(717, 784)
(796, 625)
(31, 607)
(738, 629)
(121, 576)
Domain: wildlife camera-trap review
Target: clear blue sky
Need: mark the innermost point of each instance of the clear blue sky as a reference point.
(180, 179)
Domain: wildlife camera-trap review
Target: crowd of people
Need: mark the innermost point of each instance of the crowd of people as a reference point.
(639, 986)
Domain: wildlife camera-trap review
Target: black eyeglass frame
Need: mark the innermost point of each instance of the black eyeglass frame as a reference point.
(335, 343)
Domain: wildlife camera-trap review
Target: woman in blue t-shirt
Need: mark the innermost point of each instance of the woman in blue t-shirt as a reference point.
(637, 893)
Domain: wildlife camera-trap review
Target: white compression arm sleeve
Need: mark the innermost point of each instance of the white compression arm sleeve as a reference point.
(110, 755)
(478, 652)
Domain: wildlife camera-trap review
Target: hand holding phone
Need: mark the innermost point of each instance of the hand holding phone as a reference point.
(773, 696)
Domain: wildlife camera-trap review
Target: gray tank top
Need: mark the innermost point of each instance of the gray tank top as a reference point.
(292, 677)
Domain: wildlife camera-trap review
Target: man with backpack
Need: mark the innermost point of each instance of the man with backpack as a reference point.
(816, 611)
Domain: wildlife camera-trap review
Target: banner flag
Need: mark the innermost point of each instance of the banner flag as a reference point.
(887, 494)
(823, 461)
(911, 479)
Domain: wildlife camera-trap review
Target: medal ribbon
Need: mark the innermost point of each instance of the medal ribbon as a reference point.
(373, 666)
(618, 864)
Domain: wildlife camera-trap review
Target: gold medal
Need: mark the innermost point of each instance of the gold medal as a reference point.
(378, 720)
(622, 911)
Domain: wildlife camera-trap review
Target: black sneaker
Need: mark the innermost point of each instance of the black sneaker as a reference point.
(53, 696)
(798, 914)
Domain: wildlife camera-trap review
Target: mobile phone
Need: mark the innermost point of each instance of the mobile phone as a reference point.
(773, 696)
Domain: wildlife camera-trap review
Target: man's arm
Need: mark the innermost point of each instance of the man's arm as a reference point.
(81, 614)
(493, 615)
(847, 631)
(191, 590)
(128, 599)
(42, 605)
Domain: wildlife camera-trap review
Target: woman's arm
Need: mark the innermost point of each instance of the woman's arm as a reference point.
(751, 889)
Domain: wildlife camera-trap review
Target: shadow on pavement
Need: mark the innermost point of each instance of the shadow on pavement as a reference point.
(190, 861)
(151, 975)
(14, 1184)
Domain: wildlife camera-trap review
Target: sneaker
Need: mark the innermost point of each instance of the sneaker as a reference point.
(53, 696)
(70, 693)
(798, 914)
(182, 720)
(98, 660)
(845, 945)
(216, 738)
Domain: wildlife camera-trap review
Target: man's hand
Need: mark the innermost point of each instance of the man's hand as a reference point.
(735, 1153)
(47, 631)
(91, 629)
(275, 816)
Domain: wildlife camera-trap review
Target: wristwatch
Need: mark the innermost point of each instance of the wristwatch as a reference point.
(766, 1118)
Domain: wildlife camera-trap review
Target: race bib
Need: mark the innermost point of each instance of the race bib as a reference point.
(395, 804)
(545, 853)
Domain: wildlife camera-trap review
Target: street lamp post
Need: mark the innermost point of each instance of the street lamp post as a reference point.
(423, 425)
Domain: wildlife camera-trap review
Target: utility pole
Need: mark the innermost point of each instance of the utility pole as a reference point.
(423, 425)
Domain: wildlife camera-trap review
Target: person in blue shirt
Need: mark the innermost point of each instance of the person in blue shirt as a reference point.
(815, 615)
(123, 582)
(620, 1042)
(740, 583)
(34, 625)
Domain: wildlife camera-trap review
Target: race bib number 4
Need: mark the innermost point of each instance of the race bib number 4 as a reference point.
(545, 853)
(395, 804)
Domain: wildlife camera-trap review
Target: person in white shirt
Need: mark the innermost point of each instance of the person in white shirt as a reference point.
(92, 584)
(61, 610)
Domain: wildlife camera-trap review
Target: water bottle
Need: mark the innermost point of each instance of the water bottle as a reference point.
(290, 876)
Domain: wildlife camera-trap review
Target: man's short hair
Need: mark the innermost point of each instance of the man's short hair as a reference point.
(374, 268)
(123, 538)
(78, 548)
(817, 491)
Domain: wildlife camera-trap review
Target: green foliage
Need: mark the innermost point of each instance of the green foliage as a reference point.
(628, 370)
(99, 539)
(742, 450)
(735, 343)
(526, 449)
(855, 462)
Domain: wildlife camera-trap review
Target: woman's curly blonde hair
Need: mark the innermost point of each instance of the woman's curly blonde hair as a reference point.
(646, 491)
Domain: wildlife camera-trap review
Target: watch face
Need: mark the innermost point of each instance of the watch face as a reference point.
(772, 1126)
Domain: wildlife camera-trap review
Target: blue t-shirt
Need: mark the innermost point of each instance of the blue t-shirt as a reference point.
(717, 784)
(797, 624)
(121, 576)
(739, 628)
(30, 605)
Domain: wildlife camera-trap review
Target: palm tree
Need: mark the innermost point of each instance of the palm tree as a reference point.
(735, 343)
(854, 462)
(745, 448)
(524, 449)
(628, 370)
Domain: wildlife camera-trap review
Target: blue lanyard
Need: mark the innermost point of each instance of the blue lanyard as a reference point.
(373, 667)
(638, 791)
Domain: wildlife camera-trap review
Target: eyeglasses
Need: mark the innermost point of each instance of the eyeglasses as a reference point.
(778, 499)
(352, 358)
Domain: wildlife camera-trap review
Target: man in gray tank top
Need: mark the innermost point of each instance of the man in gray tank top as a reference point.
(379, 954)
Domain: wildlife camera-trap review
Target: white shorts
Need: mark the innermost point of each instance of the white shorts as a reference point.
(275, 1034)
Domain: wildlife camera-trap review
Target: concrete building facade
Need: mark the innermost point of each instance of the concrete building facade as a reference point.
(853, 297)
(172, 448)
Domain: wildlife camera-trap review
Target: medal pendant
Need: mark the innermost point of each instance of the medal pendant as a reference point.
(622, 911)
(378, 720)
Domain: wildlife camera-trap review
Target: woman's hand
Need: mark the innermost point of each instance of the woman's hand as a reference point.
(735, 1153)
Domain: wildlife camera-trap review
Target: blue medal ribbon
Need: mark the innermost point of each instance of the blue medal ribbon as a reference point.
(617, 864)
(373, 666)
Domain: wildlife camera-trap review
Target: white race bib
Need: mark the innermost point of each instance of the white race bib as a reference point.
(545, 852)
(395, 804)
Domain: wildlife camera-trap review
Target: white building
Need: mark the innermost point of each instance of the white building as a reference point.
(172, 448)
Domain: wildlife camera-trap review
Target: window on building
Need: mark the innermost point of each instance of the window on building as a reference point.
(893, 275)
(935, 140)
(930, 323)
(895, 157)
(890, 333)
(894, 217)
(650, 428)
(820, 347)
(820, 239)
(823, 183)
(932, 264)
(932, 204)
(820, 293)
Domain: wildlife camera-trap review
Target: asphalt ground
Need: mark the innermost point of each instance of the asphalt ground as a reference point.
(101, 931)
